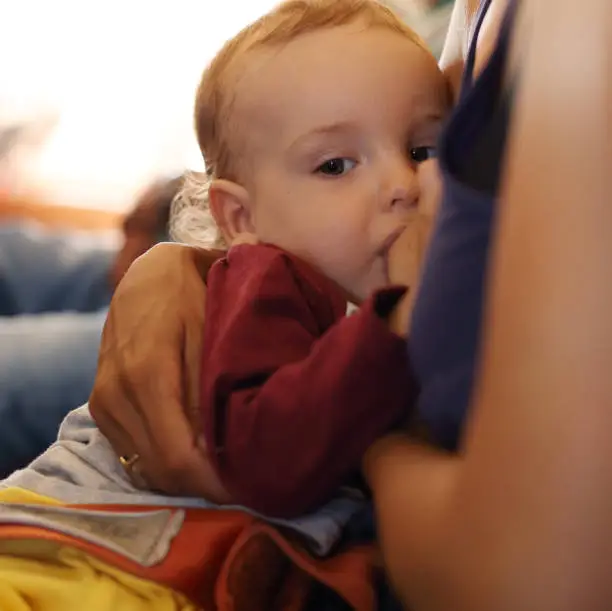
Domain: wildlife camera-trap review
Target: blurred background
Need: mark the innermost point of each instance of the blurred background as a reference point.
(96, 97)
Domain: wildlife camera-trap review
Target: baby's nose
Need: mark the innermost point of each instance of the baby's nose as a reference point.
(405, 190)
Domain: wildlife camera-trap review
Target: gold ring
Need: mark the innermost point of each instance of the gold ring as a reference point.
(132, 468)
(128, 462)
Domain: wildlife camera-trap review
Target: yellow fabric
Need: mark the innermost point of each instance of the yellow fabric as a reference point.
(19, 495)
(47, 577)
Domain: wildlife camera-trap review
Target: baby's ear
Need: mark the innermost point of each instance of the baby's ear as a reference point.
(230, 207)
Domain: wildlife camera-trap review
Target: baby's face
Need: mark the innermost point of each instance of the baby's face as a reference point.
(339, 123)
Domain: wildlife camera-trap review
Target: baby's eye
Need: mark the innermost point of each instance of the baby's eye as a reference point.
(422, 153)
(336, 166)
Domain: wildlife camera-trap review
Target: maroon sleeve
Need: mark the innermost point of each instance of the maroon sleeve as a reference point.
(292, 396)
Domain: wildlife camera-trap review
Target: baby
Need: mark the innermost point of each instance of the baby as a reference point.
(312, 122)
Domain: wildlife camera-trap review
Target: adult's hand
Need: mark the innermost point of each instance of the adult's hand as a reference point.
(145, 396)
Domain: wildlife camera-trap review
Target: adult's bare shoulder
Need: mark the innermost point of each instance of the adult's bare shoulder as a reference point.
(459, 35)
(454, 52)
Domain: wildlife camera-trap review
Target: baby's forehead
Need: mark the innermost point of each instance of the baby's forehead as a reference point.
(253, 61)
(327, 66)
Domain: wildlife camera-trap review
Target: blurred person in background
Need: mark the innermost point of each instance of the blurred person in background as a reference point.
(54, 292)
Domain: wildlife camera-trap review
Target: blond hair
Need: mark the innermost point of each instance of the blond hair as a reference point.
(191, 214)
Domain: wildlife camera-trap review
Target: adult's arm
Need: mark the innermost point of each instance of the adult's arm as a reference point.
(521, 519)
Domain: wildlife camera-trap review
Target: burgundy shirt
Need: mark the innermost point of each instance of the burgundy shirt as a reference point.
(293, 391)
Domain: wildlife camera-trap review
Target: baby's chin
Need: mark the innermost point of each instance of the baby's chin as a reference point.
(357, 295)
(358, 287)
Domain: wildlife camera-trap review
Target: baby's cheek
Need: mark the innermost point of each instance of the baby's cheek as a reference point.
(342, 261)
(341, 249)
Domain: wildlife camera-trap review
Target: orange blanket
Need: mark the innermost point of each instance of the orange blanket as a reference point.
(231, 561)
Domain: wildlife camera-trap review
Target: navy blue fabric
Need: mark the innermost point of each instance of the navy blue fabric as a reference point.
(446, 323)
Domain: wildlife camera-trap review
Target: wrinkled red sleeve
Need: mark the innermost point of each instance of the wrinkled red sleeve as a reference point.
(294, 392)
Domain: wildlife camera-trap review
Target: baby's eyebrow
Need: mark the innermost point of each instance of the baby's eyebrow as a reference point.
(333, 129)
(427, 121)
